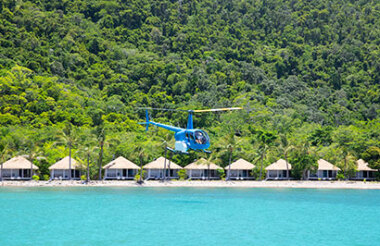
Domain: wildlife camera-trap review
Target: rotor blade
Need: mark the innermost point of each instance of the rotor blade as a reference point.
(215, 110)
(165, 109)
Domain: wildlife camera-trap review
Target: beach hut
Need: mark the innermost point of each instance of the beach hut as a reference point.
(202, 169)
(363, 171)
(61, 169)
(325, 170)
(120, 168)
(18, 168)
(278, 170)
(240, 169)
(155, 169)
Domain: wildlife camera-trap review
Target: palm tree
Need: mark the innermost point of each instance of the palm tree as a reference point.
(286, 148)
(229, 143)
(88, 146)
(5, 153)
(304, 159)
(208, 159)
(165, 141)
(68, 137)
(266, 141)
(101, 136)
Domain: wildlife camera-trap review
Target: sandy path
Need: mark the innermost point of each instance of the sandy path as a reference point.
(209, 184)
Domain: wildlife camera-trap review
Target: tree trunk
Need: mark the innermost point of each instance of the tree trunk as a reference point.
(70, 161)
(345, 167)
(208, 173)
(164, 173)
(1, 176)
(31, 169)
(229, 166)
(141, 170)
(100, 160)
(88, 167)
(261, 167)
(287, 166)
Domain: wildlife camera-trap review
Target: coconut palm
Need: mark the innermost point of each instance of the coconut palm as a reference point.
(100, 132)
(285, 147)
(229, 143)
(304, 159)
(266, 141)
(69, 138)
(88, 147)
(5, 153)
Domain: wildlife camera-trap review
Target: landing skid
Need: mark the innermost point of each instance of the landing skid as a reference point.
(176, 151)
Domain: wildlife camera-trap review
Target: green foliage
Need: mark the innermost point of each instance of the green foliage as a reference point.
(36, 177)
(221, 173)
(304, 70)
(340, 176)
(182, 174)
(83, 177)
(256, 173)
(372, 156)
(46, 177)
(138, 175)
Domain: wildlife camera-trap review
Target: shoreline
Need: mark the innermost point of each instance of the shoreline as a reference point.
(202, 184)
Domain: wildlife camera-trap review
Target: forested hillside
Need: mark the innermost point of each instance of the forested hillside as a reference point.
(306, 72)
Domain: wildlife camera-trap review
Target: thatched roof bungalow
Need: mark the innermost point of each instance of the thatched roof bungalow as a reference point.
(155, 169)
(202, 169)
(240, 169)
(120, 168)
(325, 171)
(278, 170)
(364, 171)
(61, 169)
(18, 168)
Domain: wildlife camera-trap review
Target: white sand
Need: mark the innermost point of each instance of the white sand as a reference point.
(209, 184)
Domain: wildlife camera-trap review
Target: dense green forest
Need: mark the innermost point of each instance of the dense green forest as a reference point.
(307, 74)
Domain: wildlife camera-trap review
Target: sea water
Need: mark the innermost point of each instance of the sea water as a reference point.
(188, 216)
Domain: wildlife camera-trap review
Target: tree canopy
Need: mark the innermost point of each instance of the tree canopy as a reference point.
(307, 69)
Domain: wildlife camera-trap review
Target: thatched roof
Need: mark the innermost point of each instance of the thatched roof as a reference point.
(240, 164)
(64, 164)
(121, 163)
(18, 162)
(325, 165)
(279, 165)
(160, 163)
(363, 166)
(203, 164)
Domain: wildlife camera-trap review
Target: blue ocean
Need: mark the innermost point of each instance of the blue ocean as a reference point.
(188, 216)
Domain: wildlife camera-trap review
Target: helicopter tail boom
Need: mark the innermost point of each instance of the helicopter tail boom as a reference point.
(167, 127)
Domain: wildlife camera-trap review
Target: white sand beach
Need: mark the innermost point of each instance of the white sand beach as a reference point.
(199, 184)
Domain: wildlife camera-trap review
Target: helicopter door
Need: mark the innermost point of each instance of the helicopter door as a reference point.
(190, 137)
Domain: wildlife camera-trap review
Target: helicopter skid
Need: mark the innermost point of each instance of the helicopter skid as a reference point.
(176, 151)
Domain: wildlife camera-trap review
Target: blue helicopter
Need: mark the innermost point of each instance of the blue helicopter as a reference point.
(186, 138)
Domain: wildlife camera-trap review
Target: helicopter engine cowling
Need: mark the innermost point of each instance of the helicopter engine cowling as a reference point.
(181, 146)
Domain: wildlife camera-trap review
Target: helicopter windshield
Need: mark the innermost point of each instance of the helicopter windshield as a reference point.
(200, 137)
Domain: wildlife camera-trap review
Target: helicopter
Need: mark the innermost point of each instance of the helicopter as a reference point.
(186, 138)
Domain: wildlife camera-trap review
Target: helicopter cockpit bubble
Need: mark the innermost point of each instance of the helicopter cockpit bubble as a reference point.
(200, 137)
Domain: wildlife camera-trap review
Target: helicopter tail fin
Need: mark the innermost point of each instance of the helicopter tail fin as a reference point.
(147, 120)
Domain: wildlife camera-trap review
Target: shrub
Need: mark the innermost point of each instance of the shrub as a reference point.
(221, 173)
(340, 176)
(83, 177)
(36, 177)
(46, 177)
(137, 176)
(182, 174)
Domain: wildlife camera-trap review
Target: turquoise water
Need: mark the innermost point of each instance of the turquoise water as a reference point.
(188, 216)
